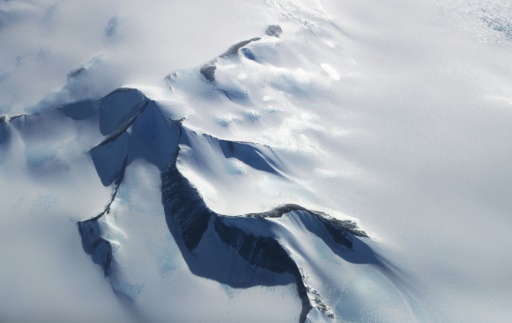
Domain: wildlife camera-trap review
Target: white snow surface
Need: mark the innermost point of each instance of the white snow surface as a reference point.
(394, 114)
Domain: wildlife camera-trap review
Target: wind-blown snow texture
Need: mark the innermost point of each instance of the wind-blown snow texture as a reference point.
(189, 220)
(256, 161)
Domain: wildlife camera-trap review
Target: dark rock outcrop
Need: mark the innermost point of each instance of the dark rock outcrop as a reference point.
(274, 30)
(210, 243)
(233, 50)
(94, 245)
(196, 229)
(208, 71)
(4, 132)
(184, 207)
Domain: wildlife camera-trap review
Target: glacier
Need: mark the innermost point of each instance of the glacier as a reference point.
(273, 161)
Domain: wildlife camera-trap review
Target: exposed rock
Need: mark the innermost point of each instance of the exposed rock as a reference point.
(249, 237)
(184, 207)
(274, 30)
(248, 54)
(233, 50)
(75, 73)
(94, 245)
(208, 71)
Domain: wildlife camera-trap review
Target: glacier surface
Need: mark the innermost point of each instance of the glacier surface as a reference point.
(272, 160)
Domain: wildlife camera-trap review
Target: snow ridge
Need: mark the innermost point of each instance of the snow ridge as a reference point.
(251, 237)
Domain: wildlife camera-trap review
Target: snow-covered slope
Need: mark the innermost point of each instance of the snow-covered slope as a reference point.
(255, 161)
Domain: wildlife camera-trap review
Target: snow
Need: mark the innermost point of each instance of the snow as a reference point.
(394, 114)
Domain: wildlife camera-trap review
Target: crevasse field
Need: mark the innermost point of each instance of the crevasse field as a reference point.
(255, 161)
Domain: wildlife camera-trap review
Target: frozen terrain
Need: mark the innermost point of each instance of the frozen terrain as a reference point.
(270, 160)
